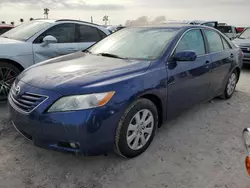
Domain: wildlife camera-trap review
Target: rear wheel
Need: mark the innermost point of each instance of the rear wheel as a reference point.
(136, 128)
(8, 74)
(231, 85)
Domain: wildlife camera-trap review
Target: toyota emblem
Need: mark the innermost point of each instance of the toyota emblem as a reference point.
(17, 90)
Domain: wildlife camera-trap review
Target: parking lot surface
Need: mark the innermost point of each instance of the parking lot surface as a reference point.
(202, 148)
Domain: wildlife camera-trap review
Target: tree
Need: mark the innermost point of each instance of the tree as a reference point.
(31, 19)
(46, 13)
(159, 20)
(3, 22)
(21, 20)
(12, 23)
(105, 19)
(127, 23)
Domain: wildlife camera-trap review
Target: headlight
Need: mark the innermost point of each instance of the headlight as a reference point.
(81, 102)
(246, 136)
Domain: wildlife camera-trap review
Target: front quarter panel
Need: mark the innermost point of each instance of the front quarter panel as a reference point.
(20, 53)
(131, 87)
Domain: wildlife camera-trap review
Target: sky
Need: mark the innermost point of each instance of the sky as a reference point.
(233, 12)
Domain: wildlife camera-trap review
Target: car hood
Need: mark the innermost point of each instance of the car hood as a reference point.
(74, 71)
(11, 48)
(242, 42)
(9, 41)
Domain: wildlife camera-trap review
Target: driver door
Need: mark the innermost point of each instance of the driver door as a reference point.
(188, 81)
(66, 42)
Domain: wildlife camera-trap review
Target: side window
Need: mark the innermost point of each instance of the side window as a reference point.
(88, 34)
(102, 34)
(214, 41)
(64, 33)
(192, 40)
(225, 44)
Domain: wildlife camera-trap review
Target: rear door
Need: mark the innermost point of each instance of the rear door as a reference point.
(65, 34)
(188, 82)
(222, 57)
(88, 35)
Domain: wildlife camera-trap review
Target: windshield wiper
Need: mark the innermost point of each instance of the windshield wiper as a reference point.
(111, 55)
(87, 51)
(241, 38)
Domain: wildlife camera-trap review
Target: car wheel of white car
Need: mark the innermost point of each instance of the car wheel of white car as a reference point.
(136, 128)
(8, 74)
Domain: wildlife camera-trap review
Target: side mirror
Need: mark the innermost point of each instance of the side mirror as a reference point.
(185, 56)
(49, 39)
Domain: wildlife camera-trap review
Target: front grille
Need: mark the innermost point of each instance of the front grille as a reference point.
(245, 49)
(26, 102)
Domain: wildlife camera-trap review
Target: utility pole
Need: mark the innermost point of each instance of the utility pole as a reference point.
(46, 13)
(91, 19)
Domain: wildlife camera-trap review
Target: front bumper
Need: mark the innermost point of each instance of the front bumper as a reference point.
(93, 129)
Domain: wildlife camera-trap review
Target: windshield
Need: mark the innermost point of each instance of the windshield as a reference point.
(225, 29)
(136, 43)
(24, 31)
(245, 34)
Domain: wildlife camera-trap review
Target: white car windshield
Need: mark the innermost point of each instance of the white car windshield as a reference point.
(245, 34)
(24, 31)
(136, 43)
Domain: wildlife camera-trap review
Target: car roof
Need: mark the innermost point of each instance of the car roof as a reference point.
(173, 26)
(103, 29)
(64, 20)
(187, 21)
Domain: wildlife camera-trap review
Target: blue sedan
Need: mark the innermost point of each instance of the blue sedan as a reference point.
(117, 93)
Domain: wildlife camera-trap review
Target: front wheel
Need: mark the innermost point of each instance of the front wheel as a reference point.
(8, 74)
(136, 128)
(231, 85)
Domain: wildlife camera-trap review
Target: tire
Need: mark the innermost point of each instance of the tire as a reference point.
(128, 127)
(8, 74)
(231, 82)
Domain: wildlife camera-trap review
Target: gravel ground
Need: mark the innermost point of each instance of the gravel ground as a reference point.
(200, 149)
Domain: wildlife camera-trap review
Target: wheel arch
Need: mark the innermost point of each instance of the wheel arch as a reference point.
(237, 69)
(18, 65)
(158, 103)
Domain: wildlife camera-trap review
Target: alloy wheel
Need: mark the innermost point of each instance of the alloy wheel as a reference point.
(7, 77)
(140, 129)
(231, 84)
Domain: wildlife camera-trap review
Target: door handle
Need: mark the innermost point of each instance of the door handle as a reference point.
(207, 62)
(232, 55)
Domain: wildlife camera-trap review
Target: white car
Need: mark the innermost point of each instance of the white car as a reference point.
(39, 40)
(228, 30)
